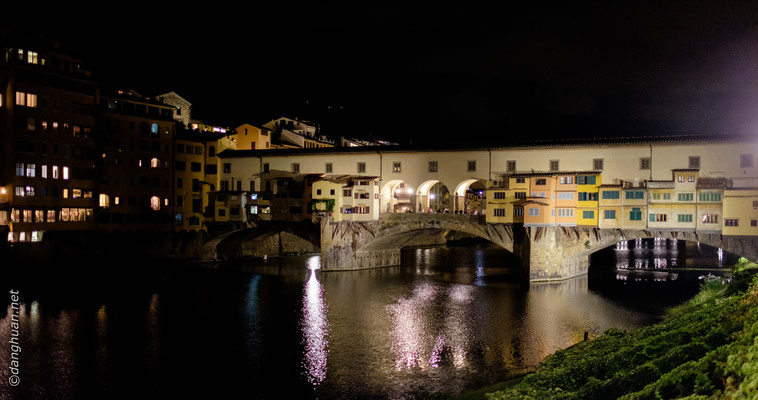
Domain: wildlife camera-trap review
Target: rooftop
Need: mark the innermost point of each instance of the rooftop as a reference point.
(517, 144)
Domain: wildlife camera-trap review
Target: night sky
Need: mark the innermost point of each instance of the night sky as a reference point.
(440, 74)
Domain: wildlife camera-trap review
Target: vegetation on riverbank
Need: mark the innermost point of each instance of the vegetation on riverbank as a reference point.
(705, 349)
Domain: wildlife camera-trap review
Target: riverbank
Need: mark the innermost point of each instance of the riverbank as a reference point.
(705, 348)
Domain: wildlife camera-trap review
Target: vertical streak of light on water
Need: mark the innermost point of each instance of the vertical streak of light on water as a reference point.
(315, 327)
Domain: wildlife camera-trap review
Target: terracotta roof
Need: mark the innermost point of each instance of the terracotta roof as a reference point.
(712, 183)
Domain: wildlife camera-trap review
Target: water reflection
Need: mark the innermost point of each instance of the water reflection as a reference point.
(448, 320)
(315, 327)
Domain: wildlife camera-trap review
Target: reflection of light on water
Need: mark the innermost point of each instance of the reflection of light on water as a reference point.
(315, 327)
(408, 321)
(439, 345)
(456, 322)
(721, 257)
(421, 335)
(479, 257)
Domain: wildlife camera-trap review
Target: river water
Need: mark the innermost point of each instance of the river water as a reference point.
(449, 319)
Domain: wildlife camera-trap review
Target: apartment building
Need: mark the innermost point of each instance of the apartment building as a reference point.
(47, 150)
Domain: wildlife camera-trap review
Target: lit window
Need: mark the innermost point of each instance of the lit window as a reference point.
(165, 202)
(116, 200)
(31, 170)
(104, 201)
(154, 129)
(55, 127)
(65, 173)
(65, 193)
(44, 125)
(31, 100)
(20, 98)
(155, 203)
(154, 163)
(31, 57)
(50, 215)
(76, 193)
(65, 214)
(55, 172)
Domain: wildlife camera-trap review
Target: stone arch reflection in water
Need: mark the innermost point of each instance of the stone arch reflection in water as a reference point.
(315, 326)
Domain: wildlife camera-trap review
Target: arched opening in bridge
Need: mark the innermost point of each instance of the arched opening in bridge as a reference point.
(470, 197)
(397, 197)
(433, 196)
(656, 271)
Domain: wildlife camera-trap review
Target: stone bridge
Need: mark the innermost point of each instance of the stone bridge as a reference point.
(546, 253)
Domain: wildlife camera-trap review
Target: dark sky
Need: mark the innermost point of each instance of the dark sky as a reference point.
(437, 73)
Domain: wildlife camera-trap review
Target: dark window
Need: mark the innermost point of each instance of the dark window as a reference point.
(694, 161)
(211, 169)
(597, 164)
(195, 167)
(471, 166)
(554, 165)
(432, 166)
(746, 161)
(227, 168)
(179, 201)
(196, 185)
(211, 151)
(644, 163)
(265, 167)
(396, 167)
(361, 167)
(179, 182)
(541, 182)
(328, 168)
(197, 205)
(181, 166)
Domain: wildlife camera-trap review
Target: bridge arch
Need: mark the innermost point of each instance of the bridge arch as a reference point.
(563, 252)
(476, 201)
(379, 243)
(397, 196)
(434, 195)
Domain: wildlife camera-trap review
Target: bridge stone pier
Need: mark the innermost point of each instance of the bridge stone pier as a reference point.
(546, 253)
